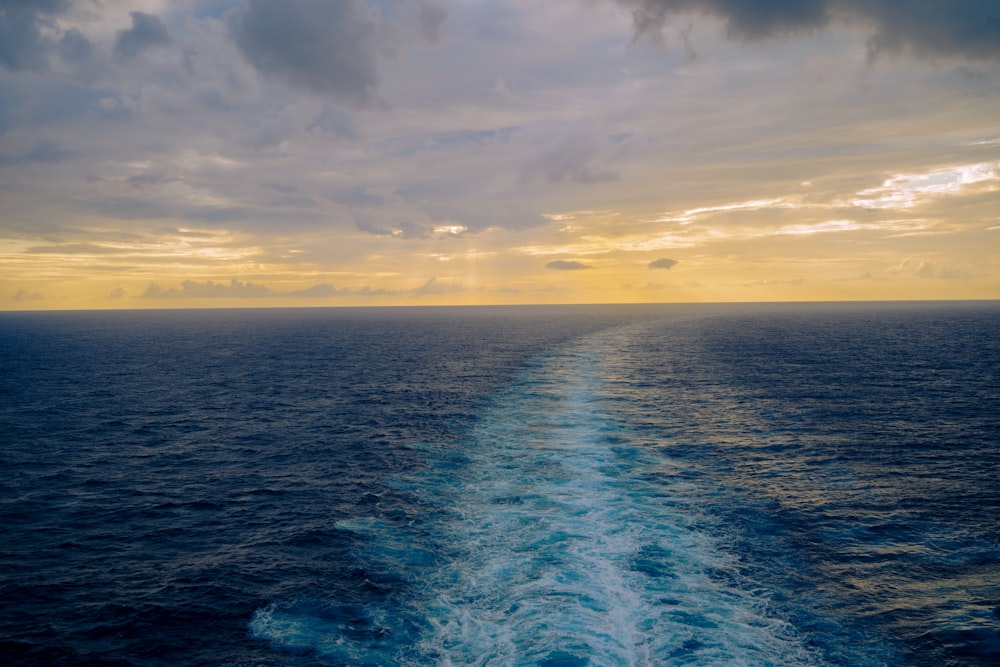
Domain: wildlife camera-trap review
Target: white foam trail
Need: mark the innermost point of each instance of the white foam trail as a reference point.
(566, 545)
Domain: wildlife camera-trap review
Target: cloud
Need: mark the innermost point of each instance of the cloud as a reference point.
(570, 160)
(358, 197)
(291, 201)
(566, 265)
(72, 249)
(130, 208)
(433, 287)
(432, 18)
(24, 24)
(749, 19)
(663, 263)
(191, 289)
(925, 269)
(146, 32)
(967, 29)
(909, 190)
(321, 290)
(209, 289)
(41, 152)
(74, 47)
(399, 230)
(25, 295)
(315, 45)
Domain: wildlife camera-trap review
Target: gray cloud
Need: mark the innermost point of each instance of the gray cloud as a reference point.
(23, 25)
(320, 46)
(281, 187)
(566, 265)
(41, 152)
(146, 32)
(963, 28)
(402, 230)
(432, 18)
(146, 179)
(333, 121)
(250, 215)
(663, 263)
(357, 197)
(570, 160)
(291, 201)
(748, 19)
(63, 103)
(74, 47)
(128, 208)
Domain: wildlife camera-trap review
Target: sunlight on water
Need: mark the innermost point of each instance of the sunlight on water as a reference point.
(552, 545)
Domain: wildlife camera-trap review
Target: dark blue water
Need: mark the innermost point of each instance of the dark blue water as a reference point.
(689, 485)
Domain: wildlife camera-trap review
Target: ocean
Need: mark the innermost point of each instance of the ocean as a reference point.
(760, 484)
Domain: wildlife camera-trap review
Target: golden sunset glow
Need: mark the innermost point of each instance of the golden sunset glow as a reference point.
(158, 154)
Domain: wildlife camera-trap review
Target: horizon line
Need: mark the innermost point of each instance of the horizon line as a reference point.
(507, 305)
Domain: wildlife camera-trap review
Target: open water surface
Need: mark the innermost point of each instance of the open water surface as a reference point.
(810, 484)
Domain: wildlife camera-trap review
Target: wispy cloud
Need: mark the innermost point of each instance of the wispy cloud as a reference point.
(908, 190)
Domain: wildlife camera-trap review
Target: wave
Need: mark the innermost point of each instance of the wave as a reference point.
(555, 534)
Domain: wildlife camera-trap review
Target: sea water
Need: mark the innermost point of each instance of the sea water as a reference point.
(811, 484)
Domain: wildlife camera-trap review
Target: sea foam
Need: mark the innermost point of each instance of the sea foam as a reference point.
(556, 541)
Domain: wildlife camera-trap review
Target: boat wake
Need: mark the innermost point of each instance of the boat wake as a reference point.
(557, 534)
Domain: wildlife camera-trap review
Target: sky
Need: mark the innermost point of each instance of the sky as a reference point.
(219, 153)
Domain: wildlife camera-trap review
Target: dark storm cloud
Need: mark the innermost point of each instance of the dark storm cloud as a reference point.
(749, 19)
(963, 28)
(663, 263)
(23, 43)
(147, 31)
(566, 265)
(320, 46)
(966, 28)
